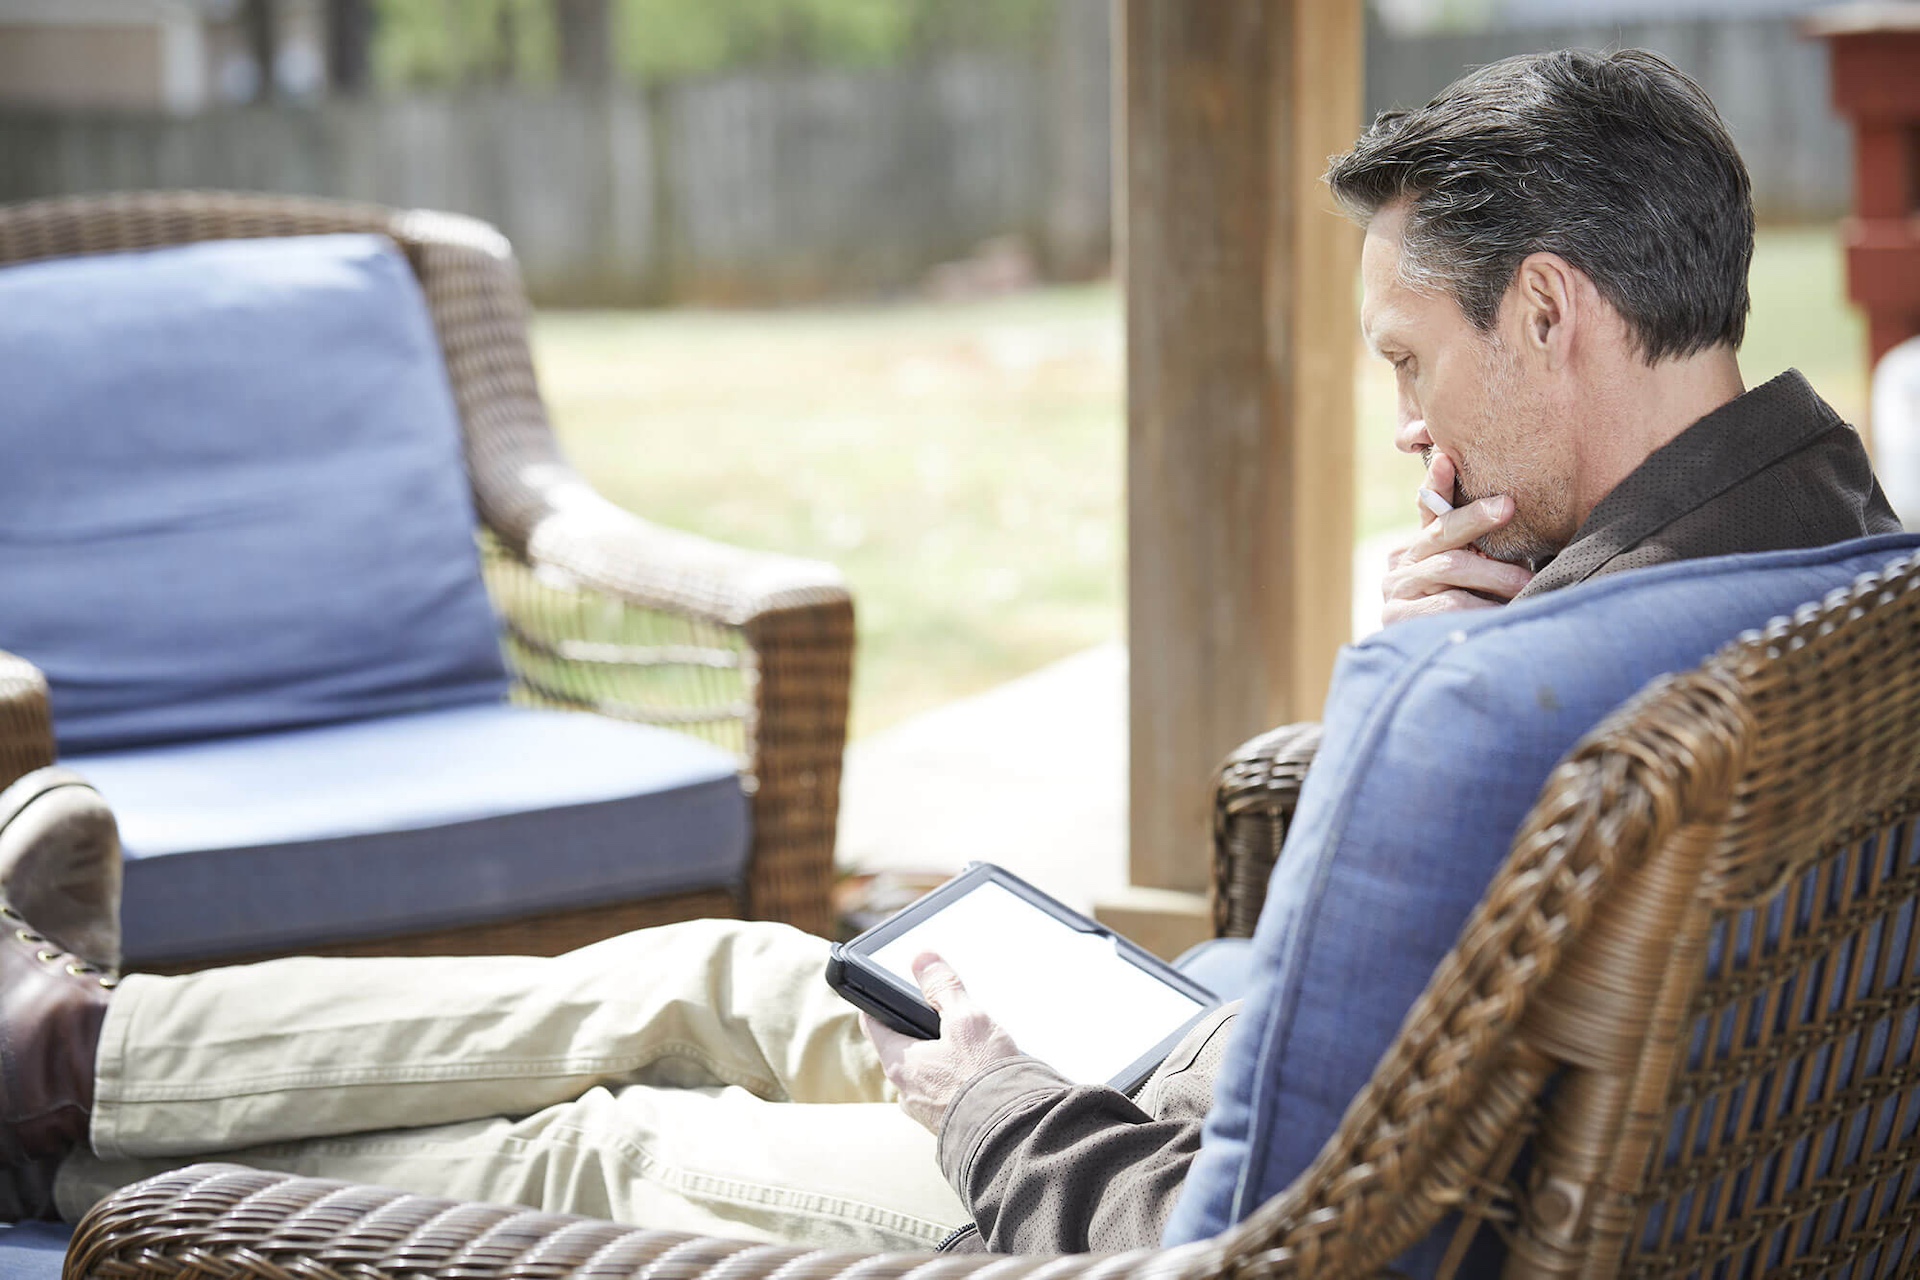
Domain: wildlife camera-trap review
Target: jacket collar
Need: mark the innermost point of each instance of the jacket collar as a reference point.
(1745, 436)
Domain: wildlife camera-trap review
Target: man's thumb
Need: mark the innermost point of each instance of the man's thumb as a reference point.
(938, 982)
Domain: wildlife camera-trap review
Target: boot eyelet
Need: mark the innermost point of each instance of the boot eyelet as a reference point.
(47, 957)
(28, 936)
(79, 970)
(9, 912)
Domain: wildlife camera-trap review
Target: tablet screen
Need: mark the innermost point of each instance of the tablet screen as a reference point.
(1068, 998)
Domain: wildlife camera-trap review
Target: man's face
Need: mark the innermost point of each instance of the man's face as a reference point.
(1469, 395)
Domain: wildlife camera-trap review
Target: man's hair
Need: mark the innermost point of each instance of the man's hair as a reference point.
(1617, 162)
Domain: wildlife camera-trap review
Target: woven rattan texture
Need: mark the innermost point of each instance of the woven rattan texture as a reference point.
(220, 1221)
(1788, 1134)
(603, 611)
(1254, 795)
(1756, 1120)
(1783, 1095)
(26, 728)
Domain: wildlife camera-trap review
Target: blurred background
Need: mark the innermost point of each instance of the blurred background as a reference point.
(834, 276)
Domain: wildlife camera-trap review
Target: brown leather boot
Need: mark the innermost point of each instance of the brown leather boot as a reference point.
(60, 862)
(52, 1005)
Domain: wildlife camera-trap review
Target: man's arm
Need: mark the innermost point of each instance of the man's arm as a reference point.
(1044, 1165)
(1048, 1166)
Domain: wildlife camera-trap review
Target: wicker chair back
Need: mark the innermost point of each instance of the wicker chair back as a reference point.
(1705, 938)
(1741, 1021)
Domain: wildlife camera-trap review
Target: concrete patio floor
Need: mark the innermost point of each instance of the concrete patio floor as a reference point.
(1031, 774)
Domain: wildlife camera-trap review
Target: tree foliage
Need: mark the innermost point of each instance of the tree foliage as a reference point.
(464, 41)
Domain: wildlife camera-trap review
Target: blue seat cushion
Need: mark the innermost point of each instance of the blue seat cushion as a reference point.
(1439, 735)
(234, 499)
(1223, 966)
(33, 1250)
(408, 823)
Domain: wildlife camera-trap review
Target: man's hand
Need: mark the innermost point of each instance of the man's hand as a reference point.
(931, 1073)
(1441, 571)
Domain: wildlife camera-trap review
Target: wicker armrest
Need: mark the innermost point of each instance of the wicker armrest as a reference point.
(605, 548)
(26, 725)
(796, 619)
(1253, 801)
(527, 494)
(792, 617)
(212, 1219)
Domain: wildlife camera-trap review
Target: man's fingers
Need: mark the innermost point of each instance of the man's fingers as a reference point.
(887, 1042)
(1464, 568)
(1461, 526)
(1440, 479)
(938, 982)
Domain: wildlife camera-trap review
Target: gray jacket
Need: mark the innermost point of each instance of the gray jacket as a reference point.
(1047, 1166)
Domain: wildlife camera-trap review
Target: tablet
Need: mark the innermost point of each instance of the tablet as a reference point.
(1094, 1006)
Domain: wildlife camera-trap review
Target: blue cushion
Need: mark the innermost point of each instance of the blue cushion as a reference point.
(407, 823)
(1223, 966)
(234, 498)
(33, 1250)
(1439, 736)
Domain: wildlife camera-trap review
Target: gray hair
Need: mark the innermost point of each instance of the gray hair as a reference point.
(1616, 162)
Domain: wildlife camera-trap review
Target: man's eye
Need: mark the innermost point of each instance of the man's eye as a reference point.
(1403, 364)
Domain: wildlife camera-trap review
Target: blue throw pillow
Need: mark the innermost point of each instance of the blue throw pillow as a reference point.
(1440, 734)
(33, 1250)
(233, 497)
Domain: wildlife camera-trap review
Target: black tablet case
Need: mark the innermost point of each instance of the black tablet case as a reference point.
(866, 985)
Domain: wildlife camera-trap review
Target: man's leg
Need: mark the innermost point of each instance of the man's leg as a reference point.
(716, 1160)
(307, 1048)
(645, 1076)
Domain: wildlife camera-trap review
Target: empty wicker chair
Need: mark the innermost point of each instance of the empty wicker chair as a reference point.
(327, 759)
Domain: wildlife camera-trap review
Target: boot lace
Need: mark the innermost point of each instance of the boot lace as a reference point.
(47, 953)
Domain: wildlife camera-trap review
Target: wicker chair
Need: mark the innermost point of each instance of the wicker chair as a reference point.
(604, 611)
(1704, 1092)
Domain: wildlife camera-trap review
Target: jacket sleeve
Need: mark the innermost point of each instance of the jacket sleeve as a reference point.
(1048, 1166)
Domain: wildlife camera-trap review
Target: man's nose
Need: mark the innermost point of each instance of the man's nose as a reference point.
(1412, 436)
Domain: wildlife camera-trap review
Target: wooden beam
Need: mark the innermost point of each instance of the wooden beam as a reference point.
(1241, 322)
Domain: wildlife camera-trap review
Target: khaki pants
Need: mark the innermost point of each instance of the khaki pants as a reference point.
(697, 1077)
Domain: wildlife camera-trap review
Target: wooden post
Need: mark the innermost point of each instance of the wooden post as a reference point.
(1875, 54)
(1241, 327)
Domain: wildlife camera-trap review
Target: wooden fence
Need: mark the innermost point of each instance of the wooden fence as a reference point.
(743, 187)
(1770, 85)
(767, 187)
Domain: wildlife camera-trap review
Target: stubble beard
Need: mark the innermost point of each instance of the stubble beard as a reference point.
(1518, 542)
(1541, 522)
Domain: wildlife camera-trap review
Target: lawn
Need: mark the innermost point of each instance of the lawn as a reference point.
(963, 462)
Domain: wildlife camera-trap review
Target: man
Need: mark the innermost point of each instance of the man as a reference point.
(1555, 264)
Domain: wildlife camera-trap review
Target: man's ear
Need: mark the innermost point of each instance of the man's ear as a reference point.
(1547, 298)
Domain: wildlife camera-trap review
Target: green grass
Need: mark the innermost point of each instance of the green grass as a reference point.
(963, 463)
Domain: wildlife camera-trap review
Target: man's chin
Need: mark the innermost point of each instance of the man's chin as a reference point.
(1517, 548)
